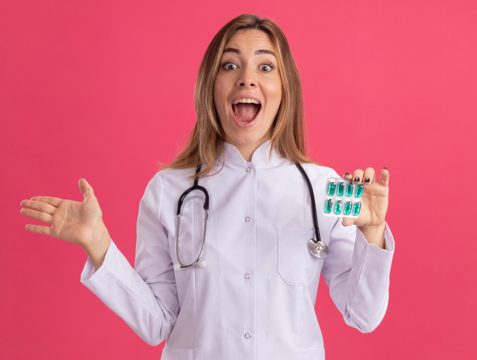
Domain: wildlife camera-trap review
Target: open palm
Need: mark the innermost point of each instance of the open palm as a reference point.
(68, 220)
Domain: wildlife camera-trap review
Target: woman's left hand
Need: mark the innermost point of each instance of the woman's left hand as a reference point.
(375, 198)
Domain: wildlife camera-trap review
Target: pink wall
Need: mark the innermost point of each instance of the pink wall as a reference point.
(103, 90)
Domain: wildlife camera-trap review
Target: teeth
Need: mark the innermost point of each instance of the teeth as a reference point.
(246, 101)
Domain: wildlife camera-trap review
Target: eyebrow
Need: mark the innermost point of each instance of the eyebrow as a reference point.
(258, 52)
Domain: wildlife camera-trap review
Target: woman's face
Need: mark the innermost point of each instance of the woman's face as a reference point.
(248, 90)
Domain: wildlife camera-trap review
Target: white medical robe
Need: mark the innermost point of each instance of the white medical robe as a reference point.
(254, 297)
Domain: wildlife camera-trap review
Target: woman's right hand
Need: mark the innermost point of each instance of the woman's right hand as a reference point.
(73, 221)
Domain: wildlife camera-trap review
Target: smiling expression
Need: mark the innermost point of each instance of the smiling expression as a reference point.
(248, 74)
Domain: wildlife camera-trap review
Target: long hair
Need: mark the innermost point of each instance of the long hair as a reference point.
(205, 144)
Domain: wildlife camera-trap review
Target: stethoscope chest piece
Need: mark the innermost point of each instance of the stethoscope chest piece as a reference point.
(318, 248)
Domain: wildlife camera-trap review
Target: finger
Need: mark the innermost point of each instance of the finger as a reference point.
(348, 221)
(54, 201)
(38, 229)
(348, 176)
(39, 215)
(358, 176)
(38, 205)
(85, 187)
(369, 176)
(384, 178)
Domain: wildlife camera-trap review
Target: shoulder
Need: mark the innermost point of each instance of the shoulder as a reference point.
(169, 179)
(317, 170)
(170, 175)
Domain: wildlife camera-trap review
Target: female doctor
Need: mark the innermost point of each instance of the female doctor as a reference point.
(224, 271)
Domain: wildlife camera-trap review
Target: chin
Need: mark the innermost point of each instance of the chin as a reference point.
(250, 133)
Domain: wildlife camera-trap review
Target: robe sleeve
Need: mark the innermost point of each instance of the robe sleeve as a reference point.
(145, 296)
(358, 275)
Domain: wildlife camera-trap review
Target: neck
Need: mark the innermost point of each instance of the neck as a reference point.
(247, 150)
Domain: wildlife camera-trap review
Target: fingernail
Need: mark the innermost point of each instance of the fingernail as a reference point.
(384, 167)
(356, 179)
(347, 173)
(366, 179)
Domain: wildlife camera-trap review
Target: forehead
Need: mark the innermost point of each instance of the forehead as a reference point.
(250, 38)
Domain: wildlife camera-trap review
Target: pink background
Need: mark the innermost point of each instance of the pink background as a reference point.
(104, 90)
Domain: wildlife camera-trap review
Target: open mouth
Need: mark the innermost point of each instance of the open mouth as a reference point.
(246, 112)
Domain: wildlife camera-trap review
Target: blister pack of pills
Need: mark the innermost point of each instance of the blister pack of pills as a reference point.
(342, 198)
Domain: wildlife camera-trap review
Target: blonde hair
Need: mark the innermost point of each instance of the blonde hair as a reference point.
(206, 141)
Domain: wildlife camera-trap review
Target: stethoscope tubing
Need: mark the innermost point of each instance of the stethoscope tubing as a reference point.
(313, 204)
(313, 244)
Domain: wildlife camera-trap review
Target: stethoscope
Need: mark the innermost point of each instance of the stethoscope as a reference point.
(316, 247)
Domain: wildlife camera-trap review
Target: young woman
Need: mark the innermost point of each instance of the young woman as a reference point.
(225, 268)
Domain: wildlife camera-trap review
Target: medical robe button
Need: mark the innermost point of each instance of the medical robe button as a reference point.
(247, 276)
(248, 169)
(247, 335)
(247, 219)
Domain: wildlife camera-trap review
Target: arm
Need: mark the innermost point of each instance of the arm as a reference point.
(144, 297)
(357, 273)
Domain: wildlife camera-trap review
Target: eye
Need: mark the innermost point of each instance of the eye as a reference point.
(228, 66)
(267, 67)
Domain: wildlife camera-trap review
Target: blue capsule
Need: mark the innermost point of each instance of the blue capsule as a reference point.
(328, 206)
(359, 191)
(356, 208)
(347, 208)
(338, 207)
(340, 189)
(331, 188)
(349, 190)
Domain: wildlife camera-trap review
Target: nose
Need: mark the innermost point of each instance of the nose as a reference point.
(246, 79)
(241, 83)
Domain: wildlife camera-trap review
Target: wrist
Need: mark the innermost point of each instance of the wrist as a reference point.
(374, 227)
(374, 234)
(98, 239)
